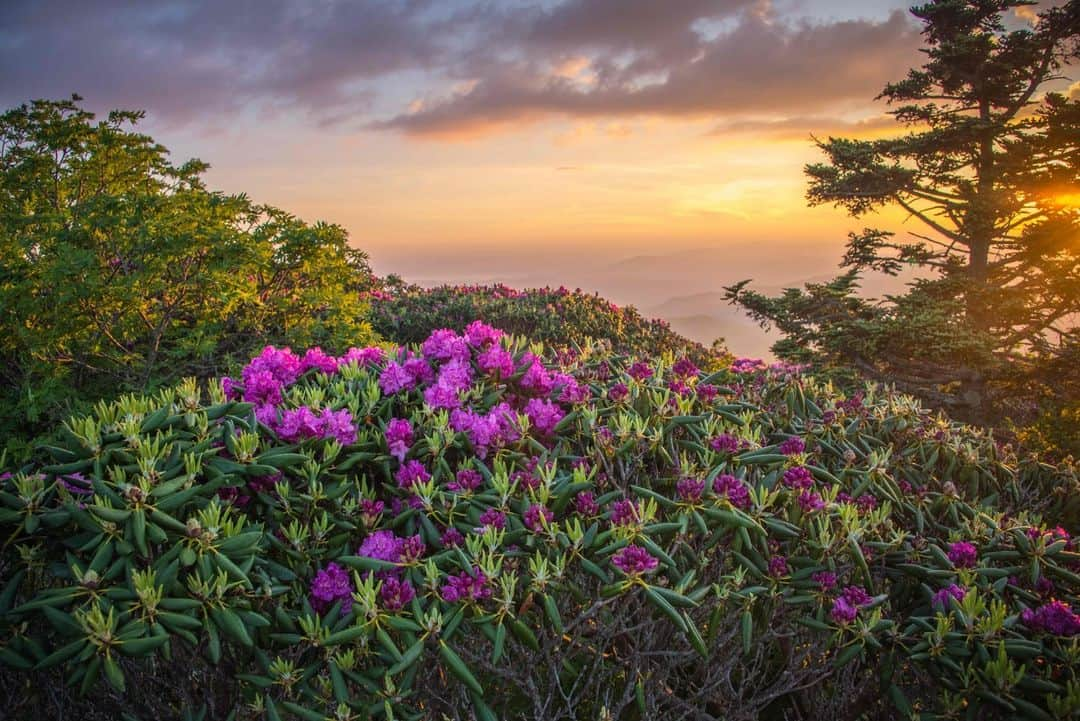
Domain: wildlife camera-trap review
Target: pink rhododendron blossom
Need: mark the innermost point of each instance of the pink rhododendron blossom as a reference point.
(395, 594)
(395, 379)
(479, 334)
(544, 415)
(329, 586)
(963, 554)
(465, 586)
(411, 473)
(496, 361)
(318, 360)
(372, 355)
(399, 437)
(634, 561)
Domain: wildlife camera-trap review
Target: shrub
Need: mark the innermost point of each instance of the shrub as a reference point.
(463, 530)
(120, 271)
(557, 317)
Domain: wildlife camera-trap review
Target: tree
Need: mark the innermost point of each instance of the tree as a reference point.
(120, 271)
(988, 167)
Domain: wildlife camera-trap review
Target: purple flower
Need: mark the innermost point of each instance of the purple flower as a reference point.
(231, 388)
(570, 391)
(444, 345)
(792, 446)
(494, 518)
(297, 424)
(866, 502)
(690, 489)
(735, 490)
(280, 363)
(634, 561)
(747, 365)
(725, 443)
(678, 387)
(825, 580)
(544, 415)
(319, 360)
(394, 594)
(940, 600)
(479, 334)
(419, 369)
(329, 586)
(267, 415)
(585, 504)
(798, 477)
(843, 612)
(810, 501)
(466, 587)
(338, 425)
(624, 512)
(411, 549)
(618, 392)
(466, 481)
(685, 368)
(382, 546)
(778, 566)
(963, 554)
(371, 355)
(640, 371)
(537, 378)
(399, 437)
(706, 393)
(395, 379)
(496, 361)
(451, 537)
(261, 387)
(442, 395)
(537, 517)
(370, 511)
(411, 473)
(1056, 618)
(857, 596)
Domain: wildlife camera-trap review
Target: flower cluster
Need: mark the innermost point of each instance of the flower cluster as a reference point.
(466, 586)
(634, 561)
(963, 554)
(329, 586)
(1054, 618)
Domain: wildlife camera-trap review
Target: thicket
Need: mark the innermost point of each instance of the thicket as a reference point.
(464, 530)
(121, 271)
(557, 317)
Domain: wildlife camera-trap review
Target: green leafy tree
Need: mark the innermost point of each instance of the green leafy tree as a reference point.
(988, 168)
(119, 270)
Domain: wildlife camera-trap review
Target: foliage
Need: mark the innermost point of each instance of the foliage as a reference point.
(463, 528)
(557, 317)
(989, 169)
(119, 270)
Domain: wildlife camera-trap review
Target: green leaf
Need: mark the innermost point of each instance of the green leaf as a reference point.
(459, 669)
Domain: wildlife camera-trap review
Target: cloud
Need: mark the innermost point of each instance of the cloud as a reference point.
(444, 68)
(204, 56)
(759, 66)
(803, 127)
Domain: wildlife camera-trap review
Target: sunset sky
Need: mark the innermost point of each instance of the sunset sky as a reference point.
(651, 150)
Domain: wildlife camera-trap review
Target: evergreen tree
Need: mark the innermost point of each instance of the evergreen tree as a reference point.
(988, 167)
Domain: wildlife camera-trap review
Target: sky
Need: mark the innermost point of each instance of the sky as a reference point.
(649, 150)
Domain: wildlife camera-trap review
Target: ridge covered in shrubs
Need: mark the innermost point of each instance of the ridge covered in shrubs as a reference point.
(557, 317)
(469, 528)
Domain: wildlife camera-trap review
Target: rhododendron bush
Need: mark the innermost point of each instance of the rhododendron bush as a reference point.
(556, 317)
(469, 528)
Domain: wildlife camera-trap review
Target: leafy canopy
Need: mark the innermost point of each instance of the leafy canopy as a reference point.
(120, 270)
